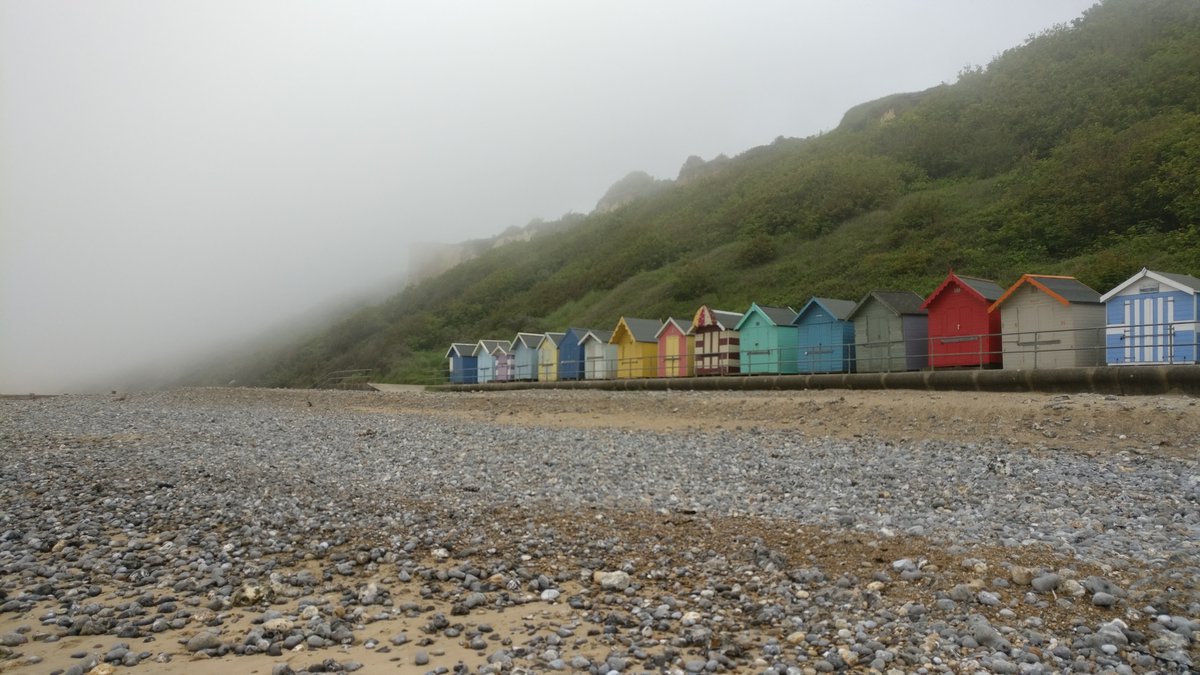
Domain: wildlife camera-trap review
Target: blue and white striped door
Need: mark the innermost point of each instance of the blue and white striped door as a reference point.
(1148, 329)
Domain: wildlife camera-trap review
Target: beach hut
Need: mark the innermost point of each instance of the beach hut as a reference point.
(524, 351)
(891, 332)
(715, 342)
(825, 336)
(570, 354)
(675, 349)
(548, 357)
(1151, 318)
(637, 347)
(767, 340)
(487, 365)
(463, 363)
(961, 330)
(1050, 322)
(599, 355)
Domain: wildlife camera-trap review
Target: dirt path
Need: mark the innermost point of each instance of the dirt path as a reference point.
(1087, 423)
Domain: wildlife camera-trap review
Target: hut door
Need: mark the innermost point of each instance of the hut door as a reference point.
(671, 360)
(1149, 331)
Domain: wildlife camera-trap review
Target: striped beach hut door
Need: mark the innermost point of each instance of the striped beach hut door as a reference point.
(1150, 330)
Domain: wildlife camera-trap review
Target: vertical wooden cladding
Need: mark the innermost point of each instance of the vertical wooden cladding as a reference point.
(1050, 322)
(825, 336)
(891, 332)
(548, 357)
(962, 333)
(1151, 318)
(715, 343)
(570, 354)
(637, 347)
(524, 351)
(492, 361)
(599, 356)
(767, 340)
(463, 363)
(676, 350)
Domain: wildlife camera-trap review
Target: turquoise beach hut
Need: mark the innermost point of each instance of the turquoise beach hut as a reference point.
(767, 340)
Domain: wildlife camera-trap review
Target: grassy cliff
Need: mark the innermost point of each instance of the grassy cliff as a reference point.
(1075, 153)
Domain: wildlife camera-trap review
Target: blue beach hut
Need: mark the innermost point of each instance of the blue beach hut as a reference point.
(463, 363)
(524, 350)
(825, 336)
(1151, 319)
(488, 368)
(570, 354)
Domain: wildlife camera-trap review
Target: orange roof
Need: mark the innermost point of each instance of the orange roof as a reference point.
(1078, 291)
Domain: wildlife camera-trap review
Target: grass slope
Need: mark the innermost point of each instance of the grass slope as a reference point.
(1075, 153)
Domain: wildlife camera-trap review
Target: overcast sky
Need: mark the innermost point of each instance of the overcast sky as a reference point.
(178, 174)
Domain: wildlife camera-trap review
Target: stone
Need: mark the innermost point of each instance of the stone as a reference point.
(203, 640)
(612, 581)
(1046, 583)
(12, 639)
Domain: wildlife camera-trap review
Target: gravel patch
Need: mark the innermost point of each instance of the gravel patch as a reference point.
(203, 523)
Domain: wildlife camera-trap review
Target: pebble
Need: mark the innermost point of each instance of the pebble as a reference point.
(186, 476)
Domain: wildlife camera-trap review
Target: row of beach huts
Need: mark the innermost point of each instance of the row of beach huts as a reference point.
(1041, 321)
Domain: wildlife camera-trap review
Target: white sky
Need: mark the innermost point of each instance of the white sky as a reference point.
(178, 174)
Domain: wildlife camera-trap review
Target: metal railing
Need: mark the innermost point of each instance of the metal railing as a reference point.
(1157, 344)
(355, 378)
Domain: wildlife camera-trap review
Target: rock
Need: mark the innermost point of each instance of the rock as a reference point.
(1020, 575)
(1102, 599)
(1072, 588)
(988, 598)
(1046, 582)
(421, 658)
(12, 639)
(251, 594)
(612, 581)
(203, 640)
(985, 634)
(280, 625)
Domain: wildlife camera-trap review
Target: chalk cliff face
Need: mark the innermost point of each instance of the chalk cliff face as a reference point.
(633, 186)
(428, 259)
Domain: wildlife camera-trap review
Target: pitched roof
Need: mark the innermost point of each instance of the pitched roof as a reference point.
(721, 319)
(779, 316)
(838, 309)
(727, 320)
(490, 346)
(1066, 290)
(897, 302)
(461, 349)
(529, 340)
(601, 336)
(1181, 279)
(986, 290)
(1182, 282)
(556, 338)
(684, 327)
(642, 330)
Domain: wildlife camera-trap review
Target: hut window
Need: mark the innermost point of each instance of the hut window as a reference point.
(1148, 288)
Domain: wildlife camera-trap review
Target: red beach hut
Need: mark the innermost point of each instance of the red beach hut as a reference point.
(961, 331)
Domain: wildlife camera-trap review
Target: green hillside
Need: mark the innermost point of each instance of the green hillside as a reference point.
(1075, 153)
